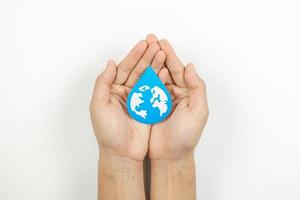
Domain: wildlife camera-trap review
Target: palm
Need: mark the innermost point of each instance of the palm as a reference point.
(119, 133)
(116, 132)
(180, 132)
(169, 138)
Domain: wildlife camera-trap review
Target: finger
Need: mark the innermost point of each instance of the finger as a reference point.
(173, 63)
(158, 61)
(151, 39)
(165, 76)
(145, 61)
(102, 86)
(128, 63)
(196, 87)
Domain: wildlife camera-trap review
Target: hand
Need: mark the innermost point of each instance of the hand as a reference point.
(123, 141)
(116, 132)
(178, 135)
(172, 142)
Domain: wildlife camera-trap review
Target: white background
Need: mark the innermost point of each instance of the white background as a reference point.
(248, 52)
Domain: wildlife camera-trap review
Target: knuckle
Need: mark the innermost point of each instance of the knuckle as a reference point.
(124, 68)
(177, 71)
(137, 52)
(161, 57)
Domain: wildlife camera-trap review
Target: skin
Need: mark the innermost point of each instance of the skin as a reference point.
(124, 142)
(172, 142)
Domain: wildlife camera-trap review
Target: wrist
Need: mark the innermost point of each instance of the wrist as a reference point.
(119, 163)
(181, 163)
(173, 178)
(120, 177)
(171, 156)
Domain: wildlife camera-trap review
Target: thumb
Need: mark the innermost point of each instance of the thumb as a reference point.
(101, 94)
(196, 86)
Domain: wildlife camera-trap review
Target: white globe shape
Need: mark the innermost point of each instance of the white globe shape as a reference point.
(142, 104)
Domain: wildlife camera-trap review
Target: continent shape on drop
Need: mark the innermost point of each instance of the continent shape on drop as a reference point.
(136, 101)
(159, 99)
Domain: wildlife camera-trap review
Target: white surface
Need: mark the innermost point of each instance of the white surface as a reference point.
(247, 52)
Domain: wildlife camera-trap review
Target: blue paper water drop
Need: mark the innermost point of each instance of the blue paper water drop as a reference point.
(149, 101)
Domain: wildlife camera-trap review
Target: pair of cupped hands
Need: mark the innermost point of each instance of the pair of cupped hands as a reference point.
(120, 135)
